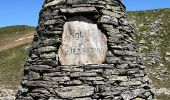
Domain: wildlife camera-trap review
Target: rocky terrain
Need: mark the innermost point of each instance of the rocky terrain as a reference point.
(153, 33)
(7, 94)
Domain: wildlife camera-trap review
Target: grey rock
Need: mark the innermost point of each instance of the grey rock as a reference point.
(52, 55)
(51, 42)
(167, 53)
(39, 95)
(81, 1)
(54, 98)
(33, 75)
(57, 79)
(55, 74)
(117, 78)
(131, 83)
(72, 69)
(25, 98)
(109, 54)
(47, 49)
(119, 52)
(96, 70)
(73, 82)
(53, 33)
(112, 60)
(79, 10)
(83, 98)
(110, 29)
(44, 84)
(39, 68)
(110, 72)
(6, 94)
(131, 53)
(92, 78)
(51, 22)
(75, 91)
(83, 74)
(108, 20)
(81, 5)
(126, 28)
(123, 21)
(116, 47)
(110, 13)
(55, 2)
(114, 38)
(23, 90)
(41, 90)
(60, 79)
(109, 93)
(99, 83)
(123, 66)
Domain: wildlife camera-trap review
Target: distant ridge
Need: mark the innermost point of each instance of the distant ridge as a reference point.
(12, 36)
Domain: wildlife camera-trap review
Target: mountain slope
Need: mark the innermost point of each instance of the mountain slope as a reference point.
(11, 66)
(153, 35)
(152, 29)
(13, 36)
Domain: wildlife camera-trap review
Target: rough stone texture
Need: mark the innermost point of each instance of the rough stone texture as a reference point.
(79, 10)
(75, 91)
(6, 94)
(120, 77)
(82, 43)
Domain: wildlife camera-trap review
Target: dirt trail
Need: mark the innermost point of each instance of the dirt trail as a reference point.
(16, 41)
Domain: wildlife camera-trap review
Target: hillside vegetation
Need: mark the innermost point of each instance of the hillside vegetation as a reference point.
(12, 60)
(11, 65)
(14, 31)
(13, 36)
(153, 37)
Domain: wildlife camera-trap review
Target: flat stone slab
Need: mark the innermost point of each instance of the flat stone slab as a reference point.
(75, 91)
(81, 1)
(82, 43)
(79, 10)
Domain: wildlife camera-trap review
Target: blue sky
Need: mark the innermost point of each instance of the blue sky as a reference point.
(26, 12)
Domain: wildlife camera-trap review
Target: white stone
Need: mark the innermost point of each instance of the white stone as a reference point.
(167, 53)
(54, 2)
(82, 43)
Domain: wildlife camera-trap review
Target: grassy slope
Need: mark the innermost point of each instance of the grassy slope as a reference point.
(163, 37)
(11, 65)
(143, 20)
(14, 31)
(12, 60)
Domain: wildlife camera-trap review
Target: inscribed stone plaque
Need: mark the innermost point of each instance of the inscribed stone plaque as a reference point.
(82, 43)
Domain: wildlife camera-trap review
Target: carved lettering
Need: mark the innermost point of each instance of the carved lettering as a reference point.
(82, 43)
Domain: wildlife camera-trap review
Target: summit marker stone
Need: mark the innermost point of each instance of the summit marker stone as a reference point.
(82, 43)
(84, 50)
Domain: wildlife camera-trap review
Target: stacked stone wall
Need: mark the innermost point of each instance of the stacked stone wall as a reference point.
(121, 77)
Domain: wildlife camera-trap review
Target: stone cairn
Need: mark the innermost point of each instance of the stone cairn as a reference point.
(84, 50)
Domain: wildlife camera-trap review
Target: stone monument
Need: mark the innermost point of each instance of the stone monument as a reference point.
(84, 50)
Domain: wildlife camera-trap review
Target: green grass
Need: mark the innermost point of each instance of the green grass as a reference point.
(163, 38)
(163, 97)
(14, 31)
(11, 65)
(148, 17)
